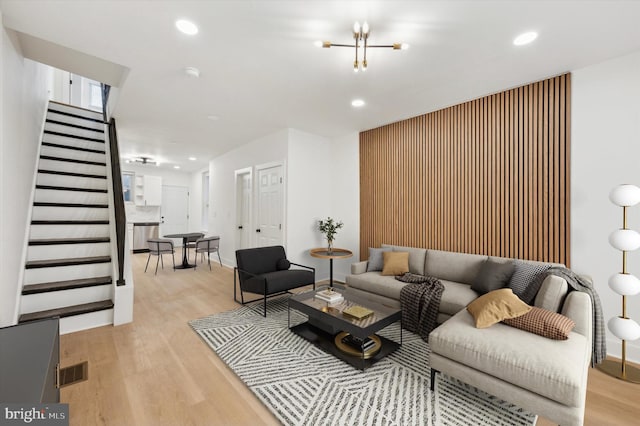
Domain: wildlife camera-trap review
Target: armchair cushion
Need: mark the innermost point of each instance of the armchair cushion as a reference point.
(283, 265)
(278, 281)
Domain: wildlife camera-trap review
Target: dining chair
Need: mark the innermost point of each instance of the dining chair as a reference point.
(158, 247)
(191, 242)
(207, 245)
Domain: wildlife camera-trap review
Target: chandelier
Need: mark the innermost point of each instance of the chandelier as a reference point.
(361, 36)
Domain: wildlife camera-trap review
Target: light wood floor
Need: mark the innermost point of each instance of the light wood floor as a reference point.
(157, 371)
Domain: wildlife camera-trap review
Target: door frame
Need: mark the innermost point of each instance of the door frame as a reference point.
(237, 202)
(269, 165)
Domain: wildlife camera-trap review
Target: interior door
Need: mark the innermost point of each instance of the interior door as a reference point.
(243, 188)
(270, 211)
(174, 211)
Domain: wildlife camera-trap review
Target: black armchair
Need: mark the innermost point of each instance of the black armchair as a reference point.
(265, 271)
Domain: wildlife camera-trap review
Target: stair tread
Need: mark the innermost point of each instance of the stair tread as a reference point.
(69, 114)
(70, 222)
(72, 160)
(71, 261)
(77, 126)
(51, 204)
(65, 285)
(70, 188)
(69, 135)
(67, 311)
(56, 241)
(75, 107)
(57, 172)
(75, 148)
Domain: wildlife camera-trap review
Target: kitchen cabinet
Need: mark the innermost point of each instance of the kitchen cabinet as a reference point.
(148, 190)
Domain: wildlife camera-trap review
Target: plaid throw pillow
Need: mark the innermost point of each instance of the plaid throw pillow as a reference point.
(543, 323)
(525, 281)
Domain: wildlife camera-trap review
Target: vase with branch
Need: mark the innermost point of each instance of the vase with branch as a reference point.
(329, 228)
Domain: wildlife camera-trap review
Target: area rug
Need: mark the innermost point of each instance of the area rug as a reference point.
(302, 385)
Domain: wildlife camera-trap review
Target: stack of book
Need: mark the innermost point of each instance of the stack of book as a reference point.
(360, 344)
(329, 296)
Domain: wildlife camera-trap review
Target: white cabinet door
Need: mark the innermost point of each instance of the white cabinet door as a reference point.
(152, 190)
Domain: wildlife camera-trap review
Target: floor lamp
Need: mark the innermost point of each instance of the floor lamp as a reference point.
(625, 284)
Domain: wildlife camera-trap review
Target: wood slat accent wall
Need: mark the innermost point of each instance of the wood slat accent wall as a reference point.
(489, 176)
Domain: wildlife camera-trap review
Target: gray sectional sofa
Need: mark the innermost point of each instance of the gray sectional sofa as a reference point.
(544, 376)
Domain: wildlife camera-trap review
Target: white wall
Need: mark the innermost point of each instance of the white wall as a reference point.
(605, 152)
(309, 198)
(195, 202)
(23, 94)
(222, 208)
(345, 167)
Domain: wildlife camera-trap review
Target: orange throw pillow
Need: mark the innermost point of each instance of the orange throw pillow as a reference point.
(496, 306)
(395, 262)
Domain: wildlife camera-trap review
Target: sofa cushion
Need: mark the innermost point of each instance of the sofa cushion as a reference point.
(525, 281)
(552, 368)
(416, 257)
(375, 262)
(543, 323)
(492, 276)
(498, 305)
(552, 293)
(395, 263)
(450, 266)
(455, 297)
(375, 283)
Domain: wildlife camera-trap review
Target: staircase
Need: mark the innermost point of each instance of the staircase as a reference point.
(68, 272)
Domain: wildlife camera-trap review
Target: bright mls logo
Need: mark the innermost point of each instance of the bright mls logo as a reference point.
(36, 414)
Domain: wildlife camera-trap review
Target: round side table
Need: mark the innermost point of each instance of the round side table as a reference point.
(336, 253)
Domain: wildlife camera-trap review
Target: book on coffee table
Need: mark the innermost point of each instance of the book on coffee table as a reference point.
(357, 312)
(329, 296)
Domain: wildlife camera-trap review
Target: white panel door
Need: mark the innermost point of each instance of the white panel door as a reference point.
(174, 212)
(270, 212)
(244, 210)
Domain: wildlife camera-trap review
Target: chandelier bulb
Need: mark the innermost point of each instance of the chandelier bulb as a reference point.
(364, 65)
(356, 28)
(365, 28)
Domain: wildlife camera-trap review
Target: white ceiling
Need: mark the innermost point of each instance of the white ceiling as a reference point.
(260, 71)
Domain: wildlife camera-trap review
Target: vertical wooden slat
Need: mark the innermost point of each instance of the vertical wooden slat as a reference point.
(488, 176)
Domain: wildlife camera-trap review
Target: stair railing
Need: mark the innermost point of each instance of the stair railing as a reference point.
(116, 179)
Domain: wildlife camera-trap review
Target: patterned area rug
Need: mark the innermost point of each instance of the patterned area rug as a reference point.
(302, 385)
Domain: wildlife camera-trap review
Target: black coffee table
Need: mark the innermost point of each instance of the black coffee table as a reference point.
(327, 326)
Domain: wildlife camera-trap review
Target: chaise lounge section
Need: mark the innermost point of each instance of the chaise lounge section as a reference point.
(547, 377)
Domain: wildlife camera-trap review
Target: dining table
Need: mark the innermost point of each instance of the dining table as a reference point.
(185, 239)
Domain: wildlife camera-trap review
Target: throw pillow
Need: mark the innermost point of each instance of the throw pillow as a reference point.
(283, 264)
(496, 306)
(395, 262)
(376, 263)
(543, 323)
(492, 276)
(526, 280)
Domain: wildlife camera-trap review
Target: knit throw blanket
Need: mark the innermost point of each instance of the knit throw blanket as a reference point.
(420, 302)
(576, 282)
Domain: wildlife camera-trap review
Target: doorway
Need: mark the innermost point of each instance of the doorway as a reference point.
(205, 201)
(243, 208)
(270, 210)
(174, 211)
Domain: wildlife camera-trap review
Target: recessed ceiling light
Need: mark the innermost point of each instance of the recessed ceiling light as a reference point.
(525, 38)
(192, 158)
(213, 117)
(357, 103)
(187, 27)
(176, 167)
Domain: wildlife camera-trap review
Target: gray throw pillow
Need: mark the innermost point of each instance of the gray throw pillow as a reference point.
(527, 279)
(376, 262)
(492, 276)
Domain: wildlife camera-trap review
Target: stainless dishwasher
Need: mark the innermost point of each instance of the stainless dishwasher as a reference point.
(143, 231)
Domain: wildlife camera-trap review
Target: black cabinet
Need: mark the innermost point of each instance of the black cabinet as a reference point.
(29, 362)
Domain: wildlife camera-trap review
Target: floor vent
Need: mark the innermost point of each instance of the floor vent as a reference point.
(74, 374)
